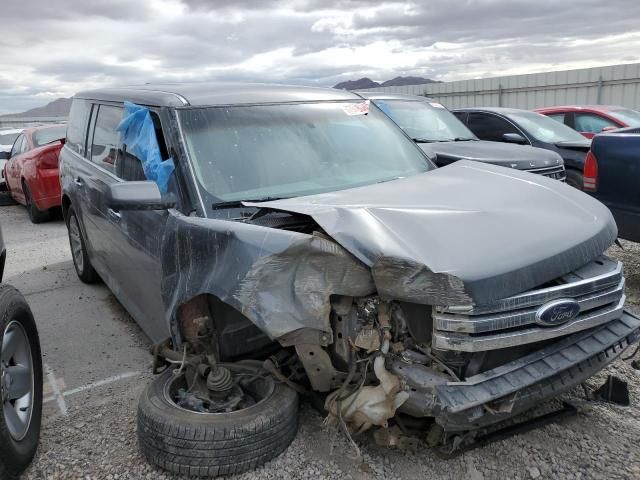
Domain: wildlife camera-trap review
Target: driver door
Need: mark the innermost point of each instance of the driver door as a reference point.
(135, 247)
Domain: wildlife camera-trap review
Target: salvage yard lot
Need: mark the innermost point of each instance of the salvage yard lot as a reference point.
(97, 364)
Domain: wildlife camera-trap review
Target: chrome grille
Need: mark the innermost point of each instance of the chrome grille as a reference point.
(556, 172)
(598, 287)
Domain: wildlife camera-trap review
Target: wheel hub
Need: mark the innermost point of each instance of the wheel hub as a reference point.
(217, 389)
(16, 380)
(219, 381)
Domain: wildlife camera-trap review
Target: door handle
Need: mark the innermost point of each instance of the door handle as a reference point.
(78, 181)
(113, 215)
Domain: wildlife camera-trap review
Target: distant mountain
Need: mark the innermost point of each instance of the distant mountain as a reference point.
(58, 108)
(402, 81)
(394, 82)
(357, 84)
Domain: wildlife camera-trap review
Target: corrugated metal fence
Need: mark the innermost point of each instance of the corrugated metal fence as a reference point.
(610, 85)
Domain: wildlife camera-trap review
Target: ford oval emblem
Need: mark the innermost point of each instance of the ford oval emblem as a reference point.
(557, 312)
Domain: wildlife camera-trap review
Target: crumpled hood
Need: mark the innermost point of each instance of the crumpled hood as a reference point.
(521, 157)
(465, 233)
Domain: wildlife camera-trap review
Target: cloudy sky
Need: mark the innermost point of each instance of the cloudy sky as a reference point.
(53, 48)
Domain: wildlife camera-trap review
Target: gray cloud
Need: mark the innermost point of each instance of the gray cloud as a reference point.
(473, 20)
(30, 10)
(52, 48)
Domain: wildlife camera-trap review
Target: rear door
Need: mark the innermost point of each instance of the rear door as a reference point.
(94, 179)
(75, 165)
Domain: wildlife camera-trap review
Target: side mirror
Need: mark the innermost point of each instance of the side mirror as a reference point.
(143, 195)
(514, 138)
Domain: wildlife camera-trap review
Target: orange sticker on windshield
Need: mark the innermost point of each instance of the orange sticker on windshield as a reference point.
(361, 108)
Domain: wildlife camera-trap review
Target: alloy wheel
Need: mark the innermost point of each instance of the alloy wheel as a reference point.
(76, 243)
(16, 380)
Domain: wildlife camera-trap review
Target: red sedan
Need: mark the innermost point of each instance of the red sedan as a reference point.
(32, 170)
(592, 119)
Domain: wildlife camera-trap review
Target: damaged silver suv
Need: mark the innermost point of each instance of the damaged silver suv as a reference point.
(279, 240)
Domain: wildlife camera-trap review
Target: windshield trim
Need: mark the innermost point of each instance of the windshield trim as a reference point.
(269, 104)
(185, 151)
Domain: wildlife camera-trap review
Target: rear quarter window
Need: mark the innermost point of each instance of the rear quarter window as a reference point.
(77, 126)
(48, 135)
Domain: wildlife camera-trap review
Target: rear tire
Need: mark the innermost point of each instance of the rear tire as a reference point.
(214, 444)
(35, 215)
(6, 199)
(18, 441)
(574, 178)
(85, 271)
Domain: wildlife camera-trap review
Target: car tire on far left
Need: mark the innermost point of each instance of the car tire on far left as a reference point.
(20, 384)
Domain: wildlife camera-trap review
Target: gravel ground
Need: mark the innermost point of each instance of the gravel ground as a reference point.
(97, 437)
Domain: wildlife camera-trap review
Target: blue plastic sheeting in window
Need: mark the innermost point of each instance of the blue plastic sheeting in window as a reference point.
(139, 135)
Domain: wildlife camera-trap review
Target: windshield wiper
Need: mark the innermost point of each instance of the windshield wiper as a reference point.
(424, 140)
(239, 203)
(463, 139)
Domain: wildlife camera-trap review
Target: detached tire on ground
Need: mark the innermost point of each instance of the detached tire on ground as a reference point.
(20, 384)
(213, 444)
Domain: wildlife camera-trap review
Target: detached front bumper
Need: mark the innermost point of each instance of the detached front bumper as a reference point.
(512, 388)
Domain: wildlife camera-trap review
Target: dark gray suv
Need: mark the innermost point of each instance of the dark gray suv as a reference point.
(295, 240)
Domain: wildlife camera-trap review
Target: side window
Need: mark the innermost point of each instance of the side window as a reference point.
(25, 145)
(489, 127)
(588, 122)
(462, 116)
(17, 146)
(558, 117)
(129, 167)
(106, 141)
(77, 126)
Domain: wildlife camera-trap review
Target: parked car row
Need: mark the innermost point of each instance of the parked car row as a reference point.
(529, 128)
(32, 171)
(442, 136)
(273, 240)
